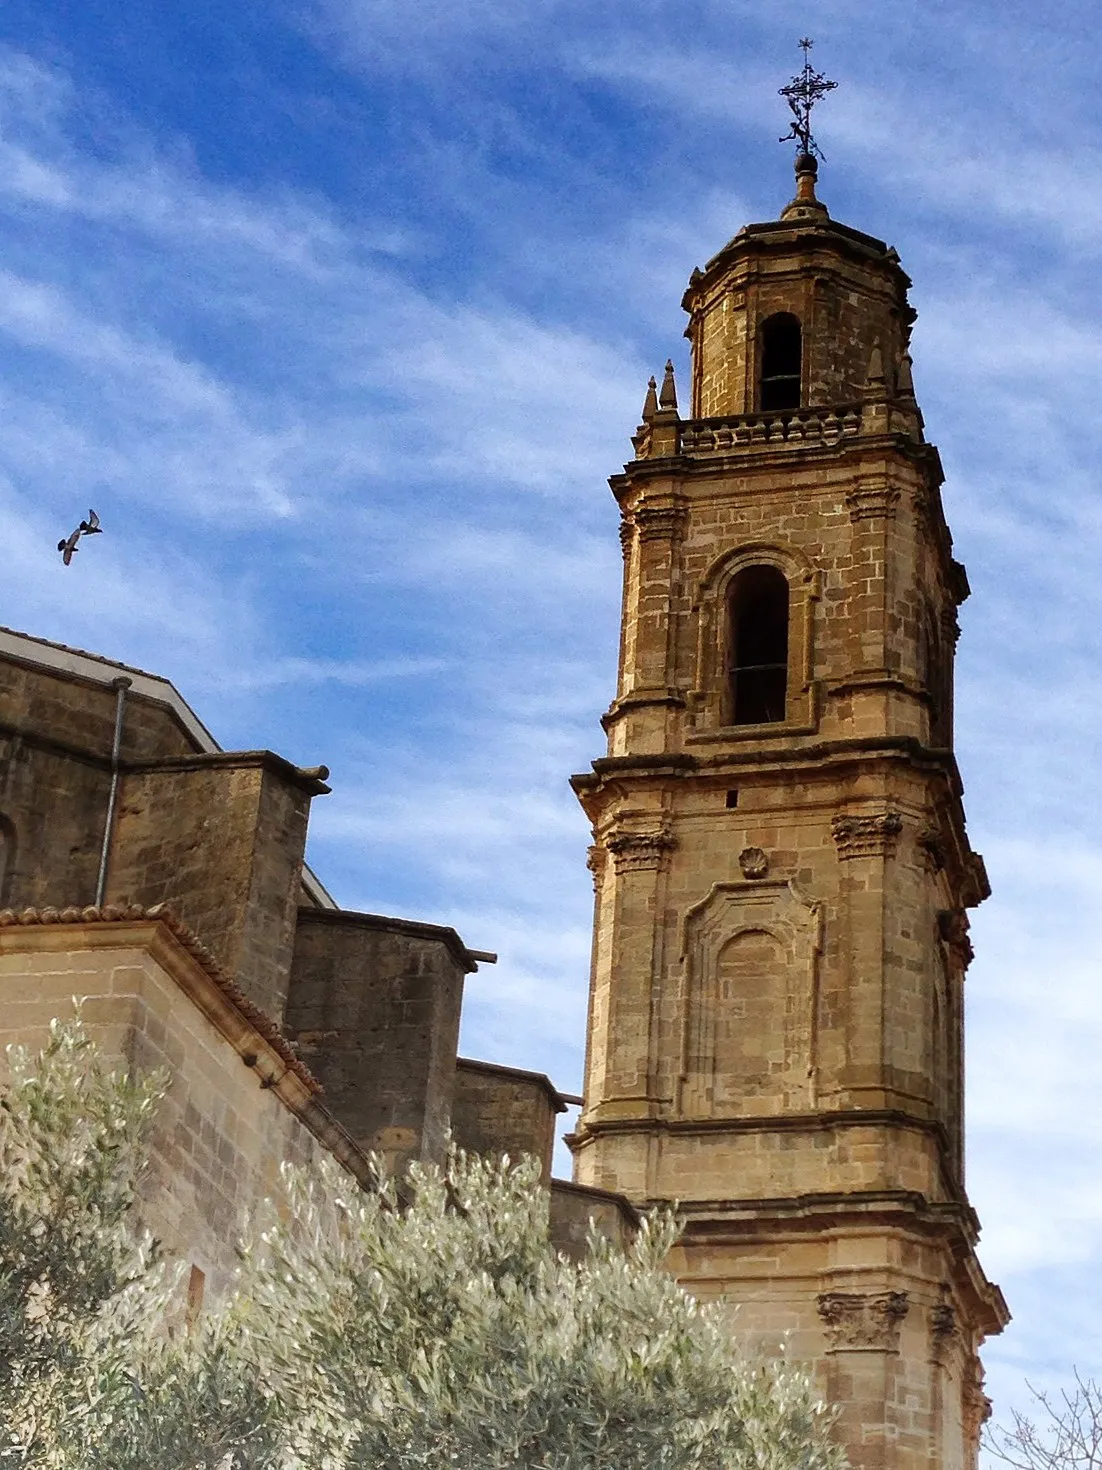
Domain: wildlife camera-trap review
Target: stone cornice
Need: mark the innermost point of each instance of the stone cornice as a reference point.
(468, 959)
(769, 752)
(310, 779)
(710, 1222)
(780, 454)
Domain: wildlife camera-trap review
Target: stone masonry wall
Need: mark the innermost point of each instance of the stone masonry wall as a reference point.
(374, 1009)
(501, 1110)
(221, 838)
(224, 1125)
(56, 734)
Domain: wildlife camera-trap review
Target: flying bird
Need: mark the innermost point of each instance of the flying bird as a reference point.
(68, 548)
(90, 527)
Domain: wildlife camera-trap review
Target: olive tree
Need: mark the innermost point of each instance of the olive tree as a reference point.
(439, 1328)
(422, 1322)
(91, 1372)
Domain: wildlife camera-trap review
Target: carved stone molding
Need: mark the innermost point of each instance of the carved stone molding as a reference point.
(863, 1321)
(867, 502)
(873, 835)
(952, 928)
(634, 852)
(660, 522)
(627, 534)
(753, 862)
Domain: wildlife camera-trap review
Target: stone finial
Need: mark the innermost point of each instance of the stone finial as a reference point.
(650, 403)
(668, 396)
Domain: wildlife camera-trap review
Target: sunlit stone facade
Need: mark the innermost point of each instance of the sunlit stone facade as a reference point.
(780, 858)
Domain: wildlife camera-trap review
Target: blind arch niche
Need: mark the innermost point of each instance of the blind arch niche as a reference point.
(749, 1001)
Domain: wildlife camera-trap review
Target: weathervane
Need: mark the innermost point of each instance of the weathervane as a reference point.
(803, 91)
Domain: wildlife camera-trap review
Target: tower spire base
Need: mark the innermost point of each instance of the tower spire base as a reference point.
(805, 205)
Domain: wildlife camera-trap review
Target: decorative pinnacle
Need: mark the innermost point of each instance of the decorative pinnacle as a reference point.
(668, 396)
(650, 403)
(803, 91)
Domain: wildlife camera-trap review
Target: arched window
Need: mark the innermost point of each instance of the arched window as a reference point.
(758, 643)
(781, 354)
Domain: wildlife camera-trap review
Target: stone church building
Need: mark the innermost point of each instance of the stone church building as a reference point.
(780, 859)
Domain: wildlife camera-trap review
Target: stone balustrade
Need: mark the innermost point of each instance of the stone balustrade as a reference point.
(796, 426)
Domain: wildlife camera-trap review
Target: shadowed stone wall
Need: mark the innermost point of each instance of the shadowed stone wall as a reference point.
(503, 1110)
(221, 837)
(374, 1010)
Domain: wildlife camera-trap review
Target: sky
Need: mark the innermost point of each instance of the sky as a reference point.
(340, 313)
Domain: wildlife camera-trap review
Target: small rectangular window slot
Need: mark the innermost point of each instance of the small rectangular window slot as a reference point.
(732, 800)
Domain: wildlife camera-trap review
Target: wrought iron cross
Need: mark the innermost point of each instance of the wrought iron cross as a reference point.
(803, 91)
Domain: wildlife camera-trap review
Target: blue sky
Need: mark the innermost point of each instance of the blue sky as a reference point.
(340, 314)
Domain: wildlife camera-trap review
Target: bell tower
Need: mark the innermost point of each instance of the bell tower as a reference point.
(780, 858)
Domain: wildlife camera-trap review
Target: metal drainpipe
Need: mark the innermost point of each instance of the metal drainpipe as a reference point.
(120, 686)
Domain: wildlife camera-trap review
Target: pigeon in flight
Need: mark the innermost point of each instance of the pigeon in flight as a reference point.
(90, 527)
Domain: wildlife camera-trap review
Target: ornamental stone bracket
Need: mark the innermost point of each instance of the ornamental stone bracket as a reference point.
(660, 522)
(943, 1330)
(952, 926)
(873, 835)
(872, 500)
(975, 1406)
(863, 1321)
(640, 851)
(596, 860)
(932, 846)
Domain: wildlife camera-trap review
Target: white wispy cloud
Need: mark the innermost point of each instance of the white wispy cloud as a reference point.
(358, 452)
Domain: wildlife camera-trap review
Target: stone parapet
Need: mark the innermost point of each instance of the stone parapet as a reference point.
(801, 426)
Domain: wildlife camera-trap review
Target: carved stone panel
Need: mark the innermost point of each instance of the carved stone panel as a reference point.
(749, 996)
(863, 1321)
